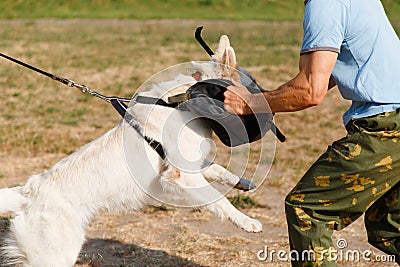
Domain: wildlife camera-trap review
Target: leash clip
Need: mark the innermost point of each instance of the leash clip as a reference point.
(83, 88)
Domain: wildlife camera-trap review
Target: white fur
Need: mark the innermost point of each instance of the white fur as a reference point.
(15, 200)
(52, 210)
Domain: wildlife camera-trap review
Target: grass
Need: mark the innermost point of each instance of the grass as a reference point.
(271, 10)
(245, 202)
(392, 8)
(154, 9)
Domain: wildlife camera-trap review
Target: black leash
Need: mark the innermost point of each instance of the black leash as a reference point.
(121, 108)
(83, 88)
(201, 41)
(116, 102)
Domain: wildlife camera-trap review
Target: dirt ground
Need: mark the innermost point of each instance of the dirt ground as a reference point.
(170, 236)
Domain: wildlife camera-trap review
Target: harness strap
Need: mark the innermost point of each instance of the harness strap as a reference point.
(153, 101)
(121, 108)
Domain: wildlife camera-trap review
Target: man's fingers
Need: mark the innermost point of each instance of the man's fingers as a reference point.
(230, 102)
(234, 92)
(229, 109)
(235, 96)
(229, 94)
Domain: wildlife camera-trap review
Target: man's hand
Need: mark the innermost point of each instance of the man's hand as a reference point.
(237, 99)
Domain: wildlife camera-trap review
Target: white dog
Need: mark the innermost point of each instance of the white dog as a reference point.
(52, 210)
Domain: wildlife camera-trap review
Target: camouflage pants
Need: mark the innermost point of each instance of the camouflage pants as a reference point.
(358, 173)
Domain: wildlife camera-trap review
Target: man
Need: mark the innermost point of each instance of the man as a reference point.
(352, 44)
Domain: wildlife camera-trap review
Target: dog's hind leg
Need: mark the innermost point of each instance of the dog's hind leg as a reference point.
(203, 194)
(48, 236)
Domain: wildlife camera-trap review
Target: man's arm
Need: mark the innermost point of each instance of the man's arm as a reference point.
(307, 89)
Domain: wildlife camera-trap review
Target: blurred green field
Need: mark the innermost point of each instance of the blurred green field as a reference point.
(165, 9)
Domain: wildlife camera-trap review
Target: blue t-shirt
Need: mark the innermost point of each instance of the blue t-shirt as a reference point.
(367, 70)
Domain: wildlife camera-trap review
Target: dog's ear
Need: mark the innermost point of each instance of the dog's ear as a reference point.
(224, 53)
(221, 48)
(229, 57)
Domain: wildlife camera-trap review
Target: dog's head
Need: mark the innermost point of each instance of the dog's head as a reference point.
(177, 79)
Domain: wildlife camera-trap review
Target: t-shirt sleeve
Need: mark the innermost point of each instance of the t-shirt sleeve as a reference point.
(325, 23)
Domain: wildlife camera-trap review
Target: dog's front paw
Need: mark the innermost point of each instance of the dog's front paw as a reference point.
(245, 185)
(250, 225)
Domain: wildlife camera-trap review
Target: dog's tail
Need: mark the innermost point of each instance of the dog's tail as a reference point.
(11, 200)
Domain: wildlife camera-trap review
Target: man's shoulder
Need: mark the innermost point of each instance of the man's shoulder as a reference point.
(345, 3)
(323, 8)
